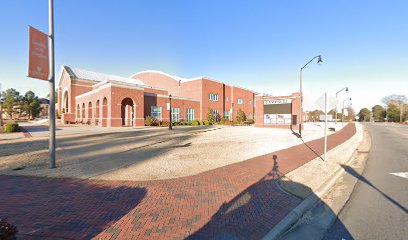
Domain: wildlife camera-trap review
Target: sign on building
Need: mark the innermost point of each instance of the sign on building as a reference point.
(278, 112)
(38, 60)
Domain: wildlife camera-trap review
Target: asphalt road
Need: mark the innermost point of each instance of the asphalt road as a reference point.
(377, 208)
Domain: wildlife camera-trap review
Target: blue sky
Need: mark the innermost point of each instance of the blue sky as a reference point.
(254, 44)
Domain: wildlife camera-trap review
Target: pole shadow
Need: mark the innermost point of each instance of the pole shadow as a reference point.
(307, 145)
(353, 173)
(253, 212)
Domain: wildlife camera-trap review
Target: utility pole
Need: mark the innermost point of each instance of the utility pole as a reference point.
(52, 141)
(325, 125)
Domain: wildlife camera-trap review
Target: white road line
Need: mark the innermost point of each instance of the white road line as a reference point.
(401, 174)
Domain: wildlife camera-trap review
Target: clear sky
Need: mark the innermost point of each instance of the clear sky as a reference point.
(254, 44)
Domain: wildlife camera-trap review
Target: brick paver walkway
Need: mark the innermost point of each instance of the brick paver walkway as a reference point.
(238, 201)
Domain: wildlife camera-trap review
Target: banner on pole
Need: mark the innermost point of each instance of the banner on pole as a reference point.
(38, 59)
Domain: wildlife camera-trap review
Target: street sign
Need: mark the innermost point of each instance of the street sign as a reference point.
(38, 60)
(331, 102)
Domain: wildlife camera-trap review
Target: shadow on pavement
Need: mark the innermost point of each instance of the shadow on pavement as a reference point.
(311, 149)
(353, 173)
(63, 208)
(253, 212)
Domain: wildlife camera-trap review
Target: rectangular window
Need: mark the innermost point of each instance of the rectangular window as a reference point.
(175, 114)
(190, 114)
(213, 97)
(240, 101)
(226, 99)
(156, 112)
(226, 114)
(215, 112)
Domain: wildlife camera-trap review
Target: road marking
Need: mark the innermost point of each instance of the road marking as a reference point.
(401, 174)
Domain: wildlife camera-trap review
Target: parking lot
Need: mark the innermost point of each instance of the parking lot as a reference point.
(143, 153)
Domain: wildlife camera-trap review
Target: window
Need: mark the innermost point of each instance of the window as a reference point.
(216, 116)
(226, 99)
(226, 114)
(175, 114)
(240, 101)
(250, 102)
(190, 114)
(156, 112)
(213, 97)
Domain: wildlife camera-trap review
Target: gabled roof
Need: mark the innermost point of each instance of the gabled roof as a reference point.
(99, 77)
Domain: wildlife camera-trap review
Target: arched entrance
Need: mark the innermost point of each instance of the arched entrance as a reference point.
(89, 113)
(127, 112)
(104, 112)
(65, 102)
(78, 115)
(97, 120)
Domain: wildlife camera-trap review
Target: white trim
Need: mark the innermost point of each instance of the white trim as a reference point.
(166, 96)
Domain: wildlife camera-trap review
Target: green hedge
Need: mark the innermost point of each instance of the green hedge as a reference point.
(11, 127)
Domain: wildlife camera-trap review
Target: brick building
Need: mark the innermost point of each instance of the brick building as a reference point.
(111, 101)
(278, 111)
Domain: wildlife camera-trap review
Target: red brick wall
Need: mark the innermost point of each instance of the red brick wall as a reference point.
(212, 87)
(248, 101)
(159, 80)
(161, 101)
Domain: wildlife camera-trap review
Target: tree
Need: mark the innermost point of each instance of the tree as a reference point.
(378, 113)
(12, 99)
(210, 116)
(30, 104)
(364, 115)
(315, 115)
(240, 116)
(393, 113)
(397, 100)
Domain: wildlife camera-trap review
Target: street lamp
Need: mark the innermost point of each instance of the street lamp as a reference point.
(342, 110)
(319, 61)
(2, 100)
(345, 88)
(170, 125)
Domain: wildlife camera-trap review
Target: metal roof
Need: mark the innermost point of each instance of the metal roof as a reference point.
(100, 77)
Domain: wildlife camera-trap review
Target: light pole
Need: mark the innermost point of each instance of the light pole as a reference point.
(52, 141)
(342, 110)
(319, 61)
(345, 88)
(2, 100)
(170, 125)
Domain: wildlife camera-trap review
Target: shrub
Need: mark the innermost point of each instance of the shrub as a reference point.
(224, 121)
(205, 122)
(164, 124)
(7, 231)
(240, 116)
(210, 116)
(195, 122)
(250, 121)
(11, 127)
(151, 121)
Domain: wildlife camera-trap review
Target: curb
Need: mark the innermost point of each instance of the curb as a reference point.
(294, 215)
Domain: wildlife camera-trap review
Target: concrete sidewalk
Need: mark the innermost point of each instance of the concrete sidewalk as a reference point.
(238, 201)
